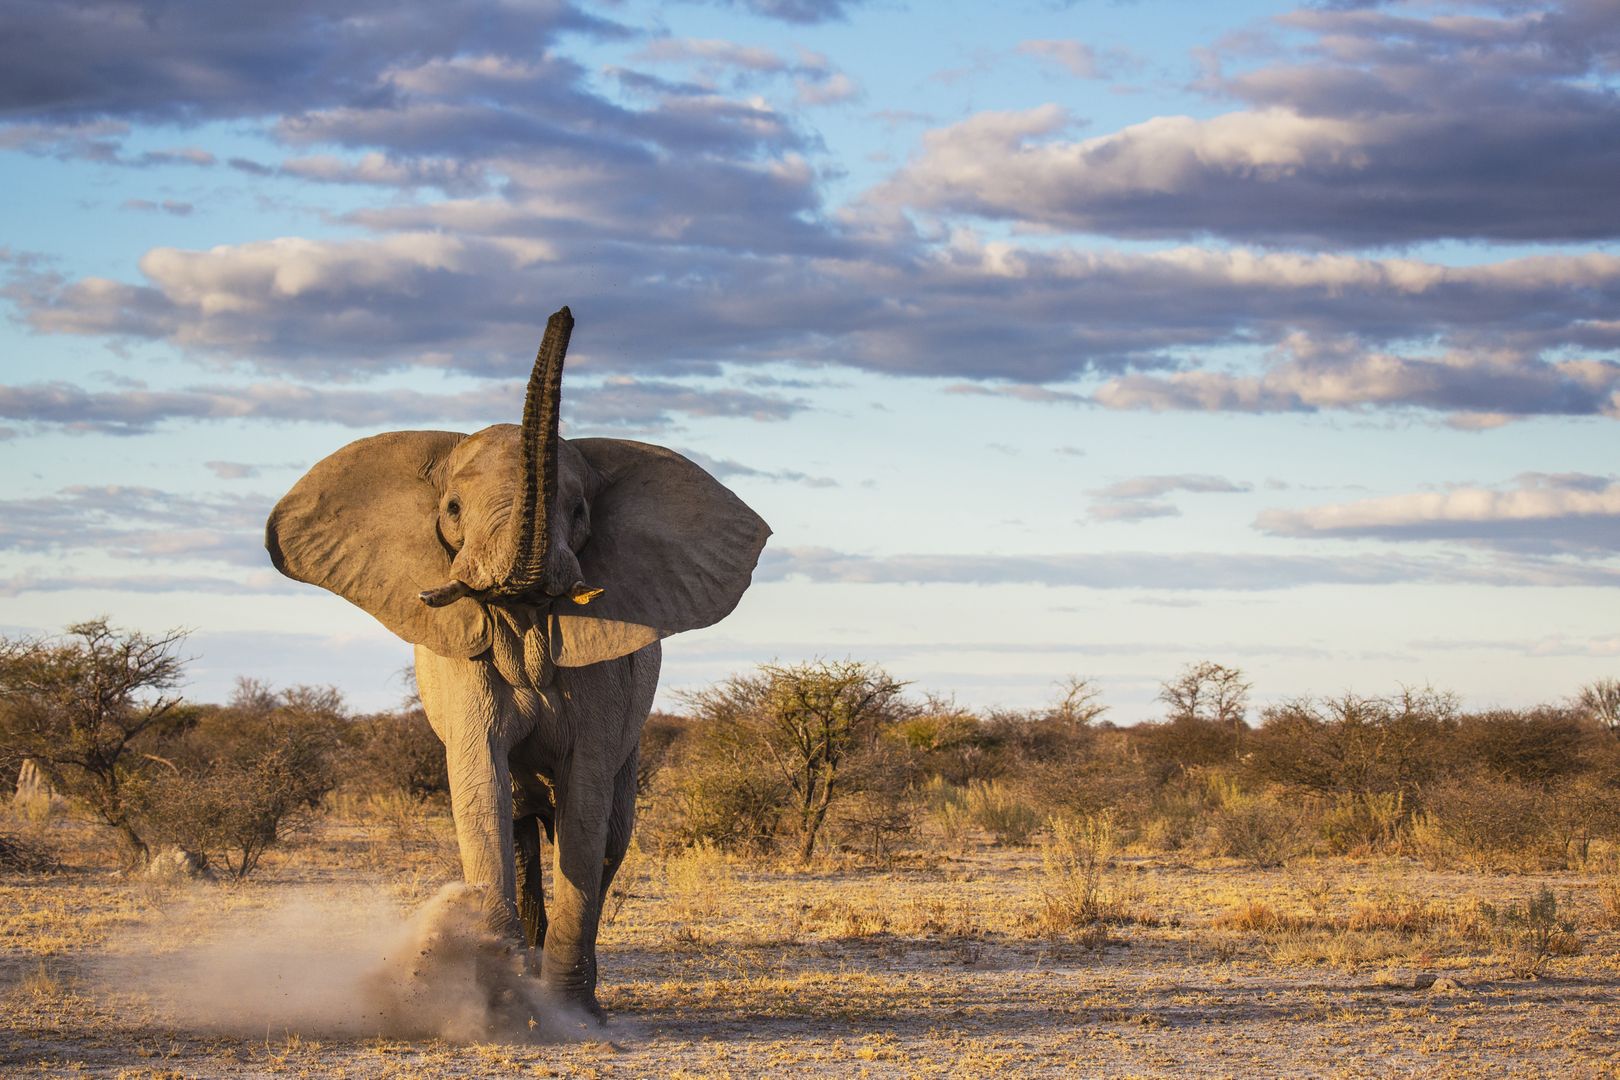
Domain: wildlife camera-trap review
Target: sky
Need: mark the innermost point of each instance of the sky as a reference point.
(1052, 339)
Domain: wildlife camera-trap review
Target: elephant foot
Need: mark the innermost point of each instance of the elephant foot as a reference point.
(572, 1016)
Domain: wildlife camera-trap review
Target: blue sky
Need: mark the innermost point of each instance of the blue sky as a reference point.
(1050, 338)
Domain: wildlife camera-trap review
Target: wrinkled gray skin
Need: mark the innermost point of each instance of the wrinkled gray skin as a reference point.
(532, 746)
(537, 686)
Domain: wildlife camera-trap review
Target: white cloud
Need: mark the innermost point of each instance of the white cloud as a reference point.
(1572, 512)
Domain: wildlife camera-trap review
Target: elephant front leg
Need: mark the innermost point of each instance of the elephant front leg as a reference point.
(474, 721)
(595, 803)
(568, 960)
(481, 801)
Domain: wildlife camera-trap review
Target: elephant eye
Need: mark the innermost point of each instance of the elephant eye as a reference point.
(453, 507)
(579, 511)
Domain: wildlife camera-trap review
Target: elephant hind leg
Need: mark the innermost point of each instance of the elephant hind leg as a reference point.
(531, 891)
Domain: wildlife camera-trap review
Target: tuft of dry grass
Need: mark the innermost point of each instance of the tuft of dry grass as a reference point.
(1608, 894)
(1075, 891)
(1257, 916)
(999, 811)
(1530, 933)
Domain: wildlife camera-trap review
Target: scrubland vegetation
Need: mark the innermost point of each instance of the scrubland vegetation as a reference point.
(834, 871)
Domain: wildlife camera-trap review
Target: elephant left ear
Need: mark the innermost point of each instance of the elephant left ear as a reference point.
(671, 547)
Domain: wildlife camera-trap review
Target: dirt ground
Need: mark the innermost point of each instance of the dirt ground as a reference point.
(946, 966)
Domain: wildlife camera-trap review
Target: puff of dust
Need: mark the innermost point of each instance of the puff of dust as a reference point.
(322, 965)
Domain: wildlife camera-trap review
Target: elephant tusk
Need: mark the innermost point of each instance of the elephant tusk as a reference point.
(444, 594)
(583, 594)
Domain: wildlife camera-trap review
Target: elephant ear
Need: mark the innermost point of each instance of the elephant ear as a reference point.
(363, 523)
(672, 548)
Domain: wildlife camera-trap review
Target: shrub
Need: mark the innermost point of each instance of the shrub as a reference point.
(393, 751)
(1177, 747)
(1074, 863)
(1174, 820)
(1583, 809)
(717, 797)
(660, 738)
(1363, 823)
(1484, 823)
(1608, 892)
(1259, 829)
(1354, 745)
(1530, 933)
(881, 815)
(1531, 746)
(950, 743)
(18, 853)
(248, 775)
(998, 811)
(809, 725)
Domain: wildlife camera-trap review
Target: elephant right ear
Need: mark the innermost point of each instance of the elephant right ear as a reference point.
(363, 523)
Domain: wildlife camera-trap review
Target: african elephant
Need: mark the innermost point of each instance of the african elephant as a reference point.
(536, 576)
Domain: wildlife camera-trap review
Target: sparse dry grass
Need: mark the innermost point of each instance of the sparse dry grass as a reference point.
(1076, 957)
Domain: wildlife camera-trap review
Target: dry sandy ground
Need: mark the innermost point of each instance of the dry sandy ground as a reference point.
(716, 968)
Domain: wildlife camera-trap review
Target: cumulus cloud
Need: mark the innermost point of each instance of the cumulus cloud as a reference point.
(718, 55)
(1544, 513)
(1178, 571)
(1477, 388)
(1140, 498)
(451, 176)
(137, 522)
(1079, 59)
(1391, 129)
(688, 231)
(814, 79)
(191, 59)
(804, 12)
(167, 206)
(974, 309)
(642, 405)
(726, 469)
(451, 98)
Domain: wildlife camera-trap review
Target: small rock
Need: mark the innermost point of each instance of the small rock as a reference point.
(176, 862)
(1404, 979)
(1446, 985)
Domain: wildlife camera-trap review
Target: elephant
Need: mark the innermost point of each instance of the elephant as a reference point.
(536, 577)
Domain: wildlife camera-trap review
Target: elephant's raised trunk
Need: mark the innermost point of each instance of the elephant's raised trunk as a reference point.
(530, 526)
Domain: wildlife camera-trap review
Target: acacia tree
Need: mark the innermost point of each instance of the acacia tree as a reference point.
(808, 721)
(1601, 701)
(1207, 691)
(78, 705)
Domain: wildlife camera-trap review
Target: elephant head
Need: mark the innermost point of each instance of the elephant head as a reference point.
(616, 543)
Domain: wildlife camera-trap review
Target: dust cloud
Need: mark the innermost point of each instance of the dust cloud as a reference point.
(327, 965)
